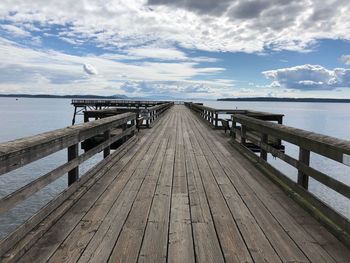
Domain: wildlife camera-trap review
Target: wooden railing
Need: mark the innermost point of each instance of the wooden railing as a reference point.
(153, 113)
(212, 115)
(308, 142)
(111, 102)
(149, 115)
(18, 153)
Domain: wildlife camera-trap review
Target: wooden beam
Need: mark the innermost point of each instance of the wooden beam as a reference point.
(304, 157)
(263, 153)
(107, 150)
(17, 153)
(333, 148)
(73, 152)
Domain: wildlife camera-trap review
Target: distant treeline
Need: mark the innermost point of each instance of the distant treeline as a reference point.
(63, 96)
(287, 99)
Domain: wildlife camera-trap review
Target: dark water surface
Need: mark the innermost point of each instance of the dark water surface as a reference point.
(29, 116)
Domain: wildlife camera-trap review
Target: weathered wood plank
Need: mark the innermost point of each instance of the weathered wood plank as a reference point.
(313, 251)
(101, 246)
(20, 242)
(180, 195)
(207, 246)
(46, 246)
(281, 242)
(20, 152)
(180, 231)
(328, 146)
(155, 242)
(257, 243)
(23, 193)
(230, 238)
(129, 242)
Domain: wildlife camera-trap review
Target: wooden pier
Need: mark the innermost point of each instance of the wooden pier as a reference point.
(179, 192)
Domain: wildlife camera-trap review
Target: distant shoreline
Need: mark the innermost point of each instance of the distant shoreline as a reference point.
(47, 96)
(269, 99)
(257, 99)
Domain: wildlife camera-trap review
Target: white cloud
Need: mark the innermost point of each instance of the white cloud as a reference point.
(32, 71)
(237, 25)
(345, 59)
(157, 53)
(15, 30)
(89, 69)
(309, 77)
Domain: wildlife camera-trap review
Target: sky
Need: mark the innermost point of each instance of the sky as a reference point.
(176, 48)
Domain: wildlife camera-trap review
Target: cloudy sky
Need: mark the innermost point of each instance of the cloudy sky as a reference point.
(179, 48)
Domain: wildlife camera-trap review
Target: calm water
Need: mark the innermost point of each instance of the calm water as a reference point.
(31, 116)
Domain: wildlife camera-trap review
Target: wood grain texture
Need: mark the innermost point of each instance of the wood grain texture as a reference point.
(181, 194)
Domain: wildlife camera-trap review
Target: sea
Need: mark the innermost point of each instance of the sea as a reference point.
(24, 117)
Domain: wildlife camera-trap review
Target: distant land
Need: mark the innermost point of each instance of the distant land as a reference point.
(63, 96)
(275, 99)
(88, 96)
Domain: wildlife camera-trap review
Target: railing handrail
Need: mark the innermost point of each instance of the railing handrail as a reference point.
(233, 111)
(262, 134)
(160, 106)
(17, 153)
(94, 101)
(331, 147)
(211, 115)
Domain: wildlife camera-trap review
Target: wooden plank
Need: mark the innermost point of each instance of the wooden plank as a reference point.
(209, 204)
(257, 243)
(327, 146)
(304, 157)
(24, 192)
(326, 237)
(313, 251)
(72, 247)
(154, 246)
(106, 236)
(321, 235)
(19, 242)
(325, 179)
(230, 238)
(180, 231)
(17, 153)
(130, 239)
(281, 242)
(53, 238)
(73, 152)
(207, 246)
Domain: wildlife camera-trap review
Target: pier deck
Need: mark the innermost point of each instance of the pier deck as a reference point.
(182, 194)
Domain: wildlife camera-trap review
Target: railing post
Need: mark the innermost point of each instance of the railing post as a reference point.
(124, 127)
(243, 132)
(73, 152)
(216, 119)
(264, 140)
(107, 150)
(86, 118)
(147, 119)
(304, 157)
(133, 122)
(233, 129)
